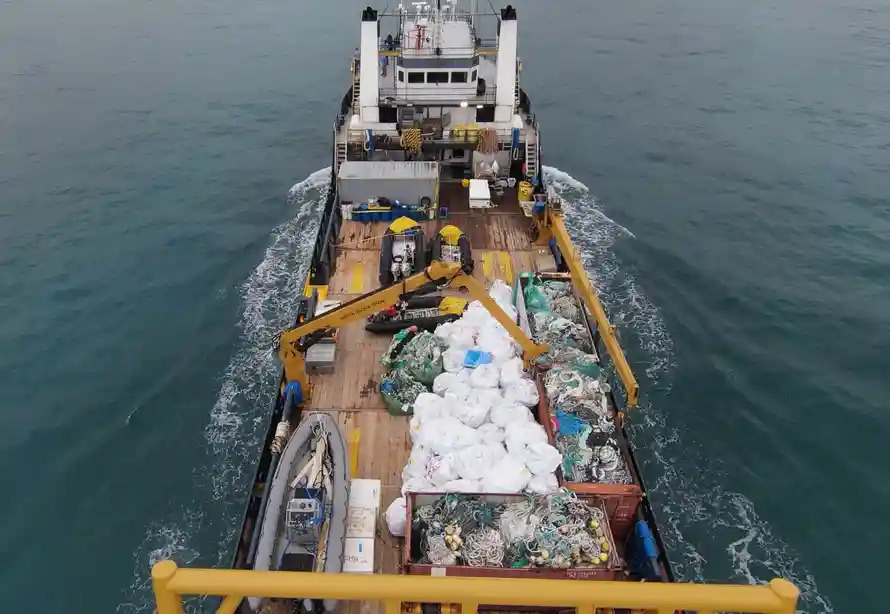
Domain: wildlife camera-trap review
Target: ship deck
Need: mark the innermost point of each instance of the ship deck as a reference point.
(501, 248)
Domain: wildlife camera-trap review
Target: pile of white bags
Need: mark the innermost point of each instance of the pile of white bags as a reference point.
(475, 432)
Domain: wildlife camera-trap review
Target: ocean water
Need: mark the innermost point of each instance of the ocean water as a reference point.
(161, 170)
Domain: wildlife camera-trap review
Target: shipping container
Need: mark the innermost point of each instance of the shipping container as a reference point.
(410, 183)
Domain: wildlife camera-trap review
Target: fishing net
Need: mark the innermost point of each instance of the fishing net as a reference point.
(578, 387)
(392, 356)
(535, 299)
(449, 523)
(422, 356)
(590, 453)
(558, 531)
(399, 391)
(550, 327)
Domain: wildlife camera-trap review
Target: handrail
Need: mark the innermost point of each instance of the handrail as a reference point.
(171, 582)
(582, 282)
(445, 95)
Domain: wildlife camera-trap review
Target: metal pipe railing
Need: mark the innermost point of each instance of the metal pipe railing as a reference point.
(170, 583)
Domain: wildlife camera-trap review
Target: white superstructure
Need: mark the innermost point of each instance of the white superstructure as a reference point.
(434, 83)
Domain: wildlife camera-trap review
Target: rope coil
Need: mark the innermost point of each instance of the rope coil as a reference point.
(410, 140)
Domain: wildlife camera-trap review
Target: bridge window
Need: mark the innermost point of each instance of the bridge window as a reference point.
(415, 76)
(473, 75)
(436, 76)
(459, 77)
(401, 76)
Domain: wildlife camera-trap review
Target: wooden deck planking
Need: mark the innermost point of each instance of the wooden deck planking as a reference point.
(501, 249)
(357, 272)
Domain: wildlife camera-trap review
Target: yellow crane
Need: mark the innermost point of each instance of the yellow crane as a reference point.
(293, 343)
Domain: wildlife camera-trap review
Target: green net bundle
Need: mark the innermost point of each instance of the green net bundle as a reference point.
(399, 391)
(422, 356)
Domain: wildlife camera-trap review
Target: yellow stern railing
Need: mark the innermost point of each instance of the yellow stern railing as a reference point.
(171, 583)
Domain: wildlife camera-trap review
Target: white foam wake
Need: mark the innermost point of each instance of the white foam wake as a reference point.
(683, 502)
(203, 529)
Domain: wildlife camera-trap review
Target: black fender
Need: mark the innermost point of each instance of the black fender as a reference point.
(385, 276)
(436, 248)
(390, 327)
(466, 255)
(419, 252)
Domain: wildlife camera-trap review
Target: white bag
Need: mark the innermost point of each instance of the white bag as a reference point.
(443, 469)
(457, 395)
(397, 517)
(476, 315)
(453, 359)
(491, 433)
(428, 406)
(474, 461)
(508, 475)
(470, 412)
(463, 486)
(451, 381)
(462, 336)
(416, 485)
(511, 372)
(416, 465)
(520, 435)
(485, 397)
(493, 338)
(443, 330)
(509, 412)
(414, 426)
(524, 392)
(485, 376)
(444, 435)
(543, 484)
(541, 458)
(501, 293)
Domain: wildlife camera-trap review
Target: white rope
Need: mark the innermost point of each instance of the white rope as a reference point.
(484, 548)
(282, 434)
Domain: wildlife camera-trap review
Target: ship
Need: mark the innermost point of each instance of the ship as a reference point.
(437, 195)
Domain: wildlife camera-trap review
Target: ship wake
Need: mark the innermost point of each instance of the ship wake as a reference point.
(687, 501)
(203, 531)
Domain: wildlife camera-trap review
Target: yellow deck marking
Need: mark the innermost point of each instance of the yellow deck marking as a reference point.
(354, 437)
(322, 291)
(486, 264)
(357, 281)
(506, 268)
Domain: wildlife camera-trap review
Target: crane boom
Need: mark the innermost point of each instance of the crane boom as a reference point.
(291, 346)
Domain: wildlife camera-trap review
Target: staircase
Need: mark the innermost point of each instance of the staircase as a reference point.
(341, 155)
(516, 96)
(356, 87)
(531, 158)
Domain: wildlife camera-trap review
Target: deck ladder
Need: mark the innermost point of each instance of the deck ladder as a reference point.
(531, 157)
(356, 87)
(341, 154)
(516, 90)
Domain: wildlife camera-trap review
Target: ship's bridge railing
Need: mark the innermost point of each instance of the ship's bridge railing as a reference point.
(430, 96)
(170, 583)
(481, 47)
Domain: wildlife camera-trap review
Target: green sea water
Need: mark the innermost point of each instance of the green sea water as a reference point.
(725, 166)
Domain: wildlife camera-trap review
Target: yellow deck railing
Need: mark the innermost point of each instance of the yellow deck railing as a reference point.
(171, 583)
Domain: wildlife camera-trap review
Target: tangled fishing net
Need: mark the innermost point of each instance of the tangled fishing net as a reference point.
(412, 361)
(399, 391)
(558, 531)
